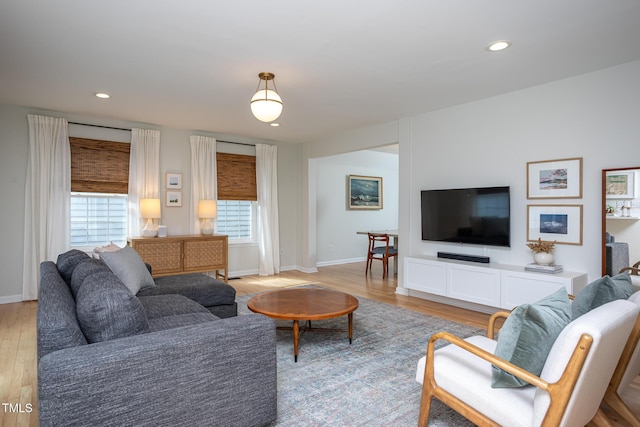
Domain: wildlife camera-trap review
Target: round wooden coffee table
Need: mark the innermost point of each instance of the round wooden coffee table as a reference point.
(305, 304)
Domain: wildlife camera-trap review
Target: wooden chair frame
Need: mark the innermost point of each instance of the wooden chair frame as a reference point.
(611, 396)
(559, 392)
(373, 238)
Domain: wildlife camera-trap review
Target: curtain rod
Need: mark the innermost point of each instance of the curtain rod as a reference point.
(129, 130)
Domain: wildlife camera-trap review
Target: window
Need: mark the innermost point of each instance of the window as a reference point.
(99, 183)
(236, 219)
(98, 219)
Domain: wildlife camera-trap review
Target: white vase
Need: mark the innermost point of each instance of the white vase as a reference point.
(543, 258)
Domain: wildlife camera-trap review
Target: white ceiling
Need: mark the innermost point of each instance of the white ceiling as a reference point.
(339, 65)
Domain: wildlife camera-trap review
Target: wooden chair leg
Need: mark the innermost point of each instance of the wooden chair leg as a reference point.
(617, 404)
(601, 420)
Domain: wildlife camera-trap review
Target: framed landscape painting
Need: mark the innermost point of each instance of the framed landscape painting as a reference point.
(553, 179)
(364, 192)
(620, 185)
(559, 223)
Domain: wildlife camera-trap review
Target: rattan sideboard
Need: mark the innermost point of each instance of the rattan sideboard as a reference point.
(184, 254)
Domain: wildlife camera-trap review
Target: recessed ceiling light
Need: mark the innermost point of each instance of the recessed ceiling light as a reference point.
(275, 125)
(102, 95)
(498, 45)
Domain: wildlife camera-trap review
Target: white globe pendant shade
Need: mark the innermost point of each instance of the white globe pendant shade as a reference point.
(266, 104)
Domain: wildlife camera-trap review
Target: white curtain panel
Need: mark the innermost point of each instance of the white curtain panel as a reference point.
(204, 176)
(47, 198)
(268, 228)
(144, 174)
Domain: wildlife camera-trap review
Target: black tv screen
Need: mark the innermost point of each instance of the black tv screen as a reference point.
(479, 216)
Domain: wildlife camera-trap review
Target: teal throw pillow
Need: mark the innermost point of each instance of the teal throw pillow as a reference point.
(527, 336)
(600, 292)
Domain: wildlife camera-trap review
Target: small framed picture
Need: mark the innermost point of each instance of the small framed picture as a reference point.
(555, 179)
(364, 192)
(620, 185)
(173, 181)
(174, 198)
(562, 223)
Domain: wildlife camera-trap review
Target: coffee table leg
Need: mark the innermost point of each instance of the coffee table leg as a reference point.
(296, 331)
(350, 327)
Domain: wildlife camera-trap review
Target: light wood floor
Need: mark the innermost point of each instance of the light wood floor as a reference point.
(18, 375)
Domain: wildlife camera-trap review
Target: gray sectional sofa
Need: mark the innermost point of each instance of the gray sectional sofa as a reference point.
(109, 357)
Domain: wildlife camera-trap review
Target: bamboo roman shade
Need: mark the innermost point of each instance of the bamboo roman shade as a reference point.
(99, 166)
(236, 177)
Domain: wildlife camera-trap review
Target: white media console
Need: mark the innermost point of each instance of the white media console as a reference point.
(488, 285)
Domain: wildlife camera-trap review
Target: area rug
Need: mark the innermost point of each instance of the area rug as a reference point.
(368, 383)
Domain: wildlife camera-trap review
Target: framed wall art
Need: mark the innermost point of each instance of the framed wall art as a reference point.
(562, 223)
(364, 192)
(620, 185)
(173, 198)
(173, 181)
(554, 179)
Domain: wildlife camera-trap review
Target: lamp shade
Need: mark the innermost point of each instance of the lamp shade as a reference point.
(150, 208)
(266, 105)
(207, 209)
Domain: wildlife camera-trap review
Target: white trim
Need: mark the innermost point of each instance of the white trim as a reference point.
(340, 261)
(10, 299)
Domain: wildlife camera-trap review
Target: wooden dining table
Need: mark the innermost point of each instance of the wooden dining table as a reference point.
(394, 242)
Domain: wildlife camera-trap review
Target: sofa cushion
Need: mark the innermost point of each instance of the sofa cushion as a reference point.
(129, 267)
(68, 261)
(528, 334)
(169, 305)
(57, 323)
(179, 320)
(199, 287)
(600, 292)
(106, 309)
(84, 269)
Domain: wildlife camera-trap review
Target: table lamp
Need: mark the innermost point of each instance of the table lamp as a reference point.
(149, 210)
(207, 209)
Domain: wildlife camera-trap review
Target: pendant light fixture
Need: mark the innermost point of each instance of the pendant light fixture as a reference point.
(266, 104)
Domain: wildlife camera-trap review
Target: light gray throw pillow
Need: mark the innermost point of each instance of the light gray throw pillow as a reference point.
(129, 267)
(528, 334)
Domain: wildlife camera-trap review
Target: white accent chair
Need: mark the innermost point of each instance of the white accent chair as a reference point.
(568, 391)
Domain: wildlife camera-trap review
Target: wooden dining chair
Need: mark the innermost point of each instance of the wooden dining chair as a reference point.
(380, 249)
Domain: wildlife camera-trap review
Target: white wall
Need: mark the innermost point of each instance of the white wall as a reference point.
(175, 155)
(489, 142)
(337, 241)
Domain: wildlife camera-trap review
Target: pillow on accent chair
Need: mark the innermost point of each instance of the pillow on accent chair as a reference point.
(106, 309)
(528, 334)
(129, 267)
(600, 292)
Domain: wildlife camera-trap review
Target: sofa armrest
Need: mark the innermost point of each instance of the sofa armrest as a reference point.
(221, 372)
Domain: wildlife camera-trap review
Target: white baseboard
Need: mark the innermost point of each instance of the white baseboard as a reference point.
(340, 261)
(10, 299)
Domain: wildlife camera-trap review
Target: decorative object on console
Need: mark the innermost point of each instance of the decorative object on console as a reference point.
(552, 179)
(562, 223)
(149, 210)
(207, 209)
(539, 268)
(266, 104)
(542, 251)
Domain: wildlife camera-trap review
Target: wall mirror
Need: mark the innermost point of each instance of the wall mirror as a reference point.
(620, 218)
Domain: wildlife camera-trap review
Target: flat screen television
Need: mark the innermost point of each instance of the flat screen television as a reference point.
(478, 216)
